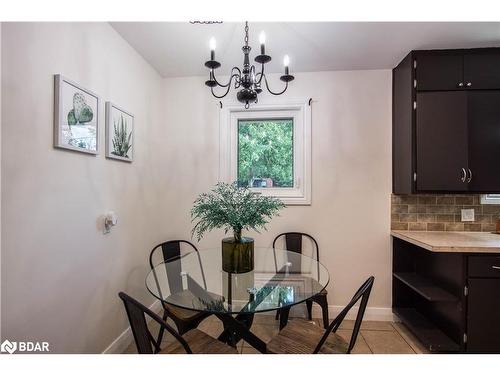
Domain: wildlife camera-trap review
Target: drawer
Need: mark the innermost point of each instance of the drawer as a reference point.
(484, 266)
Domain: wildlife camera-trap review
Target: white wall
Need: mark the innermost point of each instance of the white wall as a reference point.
(60, 274)
(351, 169)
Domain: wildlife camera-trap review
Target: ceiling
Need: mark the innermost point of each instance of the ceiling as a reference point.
(179, 49)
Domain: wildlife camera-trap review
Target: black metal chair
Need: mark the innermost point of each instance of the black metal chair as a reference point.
(194, 341)
(183, 319)
(303, 337)
(293, 242)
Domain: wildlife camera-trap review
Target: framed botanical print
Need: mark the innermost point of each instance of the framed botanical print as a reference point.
(119, 133)
(76, 117)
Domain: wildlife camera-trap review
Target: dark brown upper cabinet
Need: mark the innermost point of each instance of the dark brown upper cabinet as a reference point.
(442, 162)
(483, 119)
(439, 71)
(446, 70)
(481, 70)
(446, 122)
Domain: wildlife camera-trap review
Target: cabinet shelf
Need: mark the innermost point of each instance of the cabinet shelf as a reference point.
(430, 336)
(425, 287)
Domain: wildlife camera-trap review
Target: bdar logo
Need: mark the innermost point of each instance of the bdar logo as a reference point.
(24, 346)
(8, 347)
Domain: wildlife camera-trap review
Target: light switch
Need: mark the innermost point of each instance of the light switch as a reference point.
(468, 214)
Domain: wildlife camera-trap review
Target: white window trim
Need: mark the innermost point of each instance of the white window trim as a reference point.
(486, 199)
(300, 194)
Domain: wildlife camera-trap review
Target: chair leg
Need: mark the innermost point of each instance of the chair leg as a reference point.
(162, 330)
(322, 301)
(277, 315)
(309, 304)
(284, 317)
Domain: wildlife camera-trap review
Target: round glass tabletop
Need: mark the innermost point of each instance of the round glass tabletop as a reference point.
(197, 281)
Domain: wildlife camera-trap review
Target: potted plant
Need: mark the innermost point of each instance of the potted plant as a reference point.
(235, 209)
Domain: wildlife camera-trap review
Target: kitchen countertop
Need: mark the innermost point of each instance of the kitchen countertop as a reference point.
(452, 242)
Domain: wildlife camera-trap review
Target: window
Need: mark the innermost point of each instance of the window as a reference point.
(490, 199)
(267, 149)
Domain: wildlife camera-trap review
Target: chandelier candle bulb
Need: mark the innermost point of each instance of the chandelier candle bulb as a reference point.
(212, 44)
(286, 62)
(262, 40)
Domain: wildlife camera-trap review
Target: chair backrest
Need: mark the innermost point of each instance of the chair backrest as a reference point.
(293, 242)
(144, 340)
(362, 293)
(171, 250)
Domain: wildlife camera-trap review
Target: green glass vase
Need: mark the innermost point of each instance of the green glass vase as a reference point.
(237, 256)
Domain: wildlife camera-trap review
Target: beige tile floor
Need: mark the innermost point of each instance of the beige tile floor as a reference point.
(374, 337)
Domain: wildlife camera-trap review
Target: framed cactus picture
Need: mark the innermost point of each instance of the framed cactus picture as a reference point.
(119, 133)
(76, 117)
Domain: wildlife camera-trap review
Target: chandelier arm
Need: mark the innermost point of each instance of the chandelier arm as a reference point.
(274, 93)
(261, 74)
(220, 96)
(230, 79)
(236, 68)
(237, 76)
(228, 87)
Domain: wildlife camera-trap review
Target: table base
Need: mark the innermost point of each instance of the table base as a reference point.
(238, 328)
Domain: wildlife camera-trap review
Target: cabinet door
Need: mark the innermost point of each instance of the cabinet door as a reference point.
(483, 113)
(438, 71)
(441, 141)
(483, 328)
(482, 70)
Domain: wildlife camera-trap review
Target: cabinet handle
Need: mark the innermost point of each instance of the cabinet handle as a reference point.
(461, 84)
(464, 175)
(470, 176)
(496, 267)
(469, 84)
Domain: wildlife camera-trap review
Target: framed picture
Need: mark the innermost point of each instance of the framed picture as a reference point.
(119, 133)
(76, 117)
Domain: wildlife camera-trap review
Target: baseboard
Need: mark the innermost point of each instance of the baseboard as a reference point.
(122, 342)
(371, 313)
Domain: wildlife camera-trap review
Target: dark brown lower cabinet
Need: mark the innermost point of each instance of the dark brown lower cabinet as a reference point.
(449, 301)
(483, 316)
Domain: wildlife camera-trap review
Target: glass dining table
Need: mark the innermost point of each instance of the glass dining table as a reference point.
(196, 281)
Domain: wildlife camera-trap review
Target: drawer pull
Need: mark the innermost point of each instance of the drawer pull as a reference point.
(496, 267)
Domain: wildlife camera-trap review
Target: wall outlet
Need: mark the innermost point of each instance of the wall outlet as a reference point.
(468, 214)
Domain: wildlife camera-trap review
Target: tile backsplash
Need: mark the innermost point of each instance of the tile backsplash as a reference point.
(442, 212)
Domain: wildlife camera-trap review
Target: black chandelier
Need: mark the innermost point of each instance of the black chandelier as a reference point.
(246, 78)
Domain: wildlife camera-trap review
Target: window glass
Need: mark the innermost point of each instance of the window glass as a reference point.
(490, 199)
(265, 153)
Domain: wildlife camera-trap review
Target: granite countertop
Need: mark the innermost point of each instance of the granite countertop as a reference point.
(452, 242)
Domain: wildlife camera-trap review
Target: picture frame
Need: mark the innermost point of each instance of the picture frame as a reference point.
(120, 128)
(76, 117)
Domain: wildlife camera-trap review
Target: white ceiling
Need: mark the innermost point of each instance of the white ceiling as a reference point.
(180, 49)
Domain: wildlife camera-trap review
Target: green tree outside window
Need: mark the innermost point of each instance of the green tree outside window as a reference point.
(265, 153)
